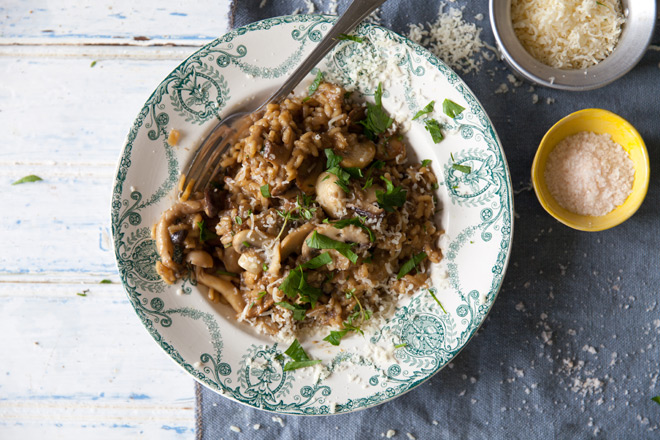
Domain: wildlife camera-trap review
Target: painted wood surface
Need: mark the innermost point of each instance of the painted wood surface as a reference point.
(74, 75)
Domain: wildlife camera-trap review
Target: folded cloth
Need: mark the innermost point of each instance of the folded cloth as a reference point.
(569, 348)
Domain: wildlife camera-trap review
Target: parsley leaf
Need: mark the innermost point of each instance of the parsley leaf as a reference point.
(343, 174)
(335, 336)
(433, 127)
(27, 179)
(205, 234)
(392, 197)
(425, 111)
(377, 120)
(313, 87)
(333, 158)
(410, 264)
(451, 109)
(462, 168)
(265, 191)
(320, 241)
(105, 282)
(426, 163)
(297, 309)
(295, 285)
(318, 261)
(300, 358)
(343, 37)
(656, 399)
(229, 274)
(238, 220)
(400, 345)
(437, 300)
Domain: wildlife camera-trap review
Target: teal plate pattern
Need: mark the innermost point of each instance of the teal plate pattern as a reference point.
(419, 337)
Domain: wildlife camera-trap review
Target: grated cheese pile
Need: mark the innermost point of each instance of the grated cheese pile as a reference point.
(589, 174)
(568, 34)
(452, 39)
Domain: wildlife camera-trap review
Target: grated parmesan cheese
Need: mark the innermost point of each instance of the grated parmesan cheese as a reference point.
(568, 34)
(589, 174)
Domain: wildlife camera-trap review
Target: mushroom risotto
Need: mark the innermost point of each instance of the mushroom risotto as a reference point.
(318, 219)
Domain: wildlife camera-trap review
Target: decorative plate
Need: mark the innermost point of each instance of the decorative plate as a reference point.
(410, 346)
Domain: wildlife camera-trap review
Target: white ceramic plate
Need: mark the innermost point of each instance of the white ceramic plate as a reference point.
(477, 215)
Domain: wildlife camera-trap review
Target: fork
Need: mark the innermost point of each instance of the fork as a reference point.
(206, 162)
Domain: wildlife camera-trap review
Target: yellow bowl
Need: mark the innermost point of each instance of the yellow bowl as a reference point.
(598, 121)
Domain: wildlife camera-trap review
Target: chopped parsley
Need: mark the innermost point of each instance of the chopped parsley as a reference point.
(433, 127)
(300, 358)
(358, 221)
(391, 197)
(261, 294)
(298, 310)
(265, 191)
(93, 63)
(425, 111)
(451, 109)
(344, 37)
(656, 399)
(462, 168)
(83, 293)
(426, 163)
(295, 285)
(410, 264)
(320, 241)
(343, 174)
(318, 261)
(377, 120)
(359, 313)
(400, 345)
(27, 179)
(204, 234)
(264, 267)
(224, 272)
(238, 220)
(313, 87)
(105, 282)
(436, 300)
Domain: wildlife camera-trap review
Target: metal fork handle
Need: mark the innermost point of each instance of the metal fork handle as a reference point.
(357, 11)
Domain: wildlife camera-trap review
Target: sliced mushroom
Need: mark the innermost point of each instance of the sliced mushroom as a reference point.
(349, 234)
(164, 244)
(248, 239)
(358, 155)
(226, 288)
(200, 258)
(276, 154)
(366, 202)
(230, 259)
(330, 196)
(293, 242)
(308, 173)
(251, 261)
(390, 149)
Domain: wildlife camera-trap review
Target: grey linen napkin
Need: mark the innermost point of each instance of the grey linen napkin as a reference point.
(569, 350)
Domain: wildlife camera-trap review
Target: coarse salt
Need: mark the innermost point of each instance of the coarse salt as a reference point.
(589, 174)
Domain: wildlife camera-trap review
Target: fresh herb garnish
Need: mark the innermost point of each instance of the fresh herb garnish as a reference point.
(425, 111)
(462, 168)
(261, 294)
(343, 174)
(426, 163)
(391, 197)
(313, 87)
(238, 220)
(204, 234)
(343, 37)
(377, 120)
(318, 261)
(656, 399)
(359, 313)
(265, 191)
(27, 179)
(320, 241)
(400, 345)
(451, 109)
(437, 300)
(358, 221)
(335, 336)
(264, 267)
(410, 264)
(297, 309)
(303, 204)
(105, 282)
(300, 358)
(433, 127)
(224, 272)
(295, 285)
(83, 293)
(93, 63)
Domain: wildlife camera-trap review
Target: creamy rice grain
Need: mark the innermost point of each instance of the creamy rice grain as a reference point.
(589, 174)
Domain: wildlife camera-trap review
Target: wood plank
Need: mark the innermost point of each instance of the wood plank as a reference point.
(113, 22)
(76, 364)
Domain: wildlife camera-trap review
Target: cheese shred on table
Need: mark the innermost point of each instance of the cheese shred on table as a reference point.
(568, 34)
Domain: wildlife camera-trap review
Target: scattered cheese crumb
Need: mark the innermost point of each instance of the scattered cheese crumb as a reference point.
(256, 426)
(235, 428)
(390, 433)
(503, 88)
(278, 420)
(410, 436)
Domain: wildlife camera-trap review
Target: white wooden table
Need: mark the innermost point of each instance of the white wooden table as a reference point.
(74, 74)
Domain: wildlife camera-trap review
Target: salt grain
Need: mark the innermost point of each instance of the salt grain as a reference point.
(589, 174)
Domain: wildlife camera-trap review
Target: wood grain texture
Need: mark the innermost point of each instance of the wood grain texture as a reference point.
(75, 75)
